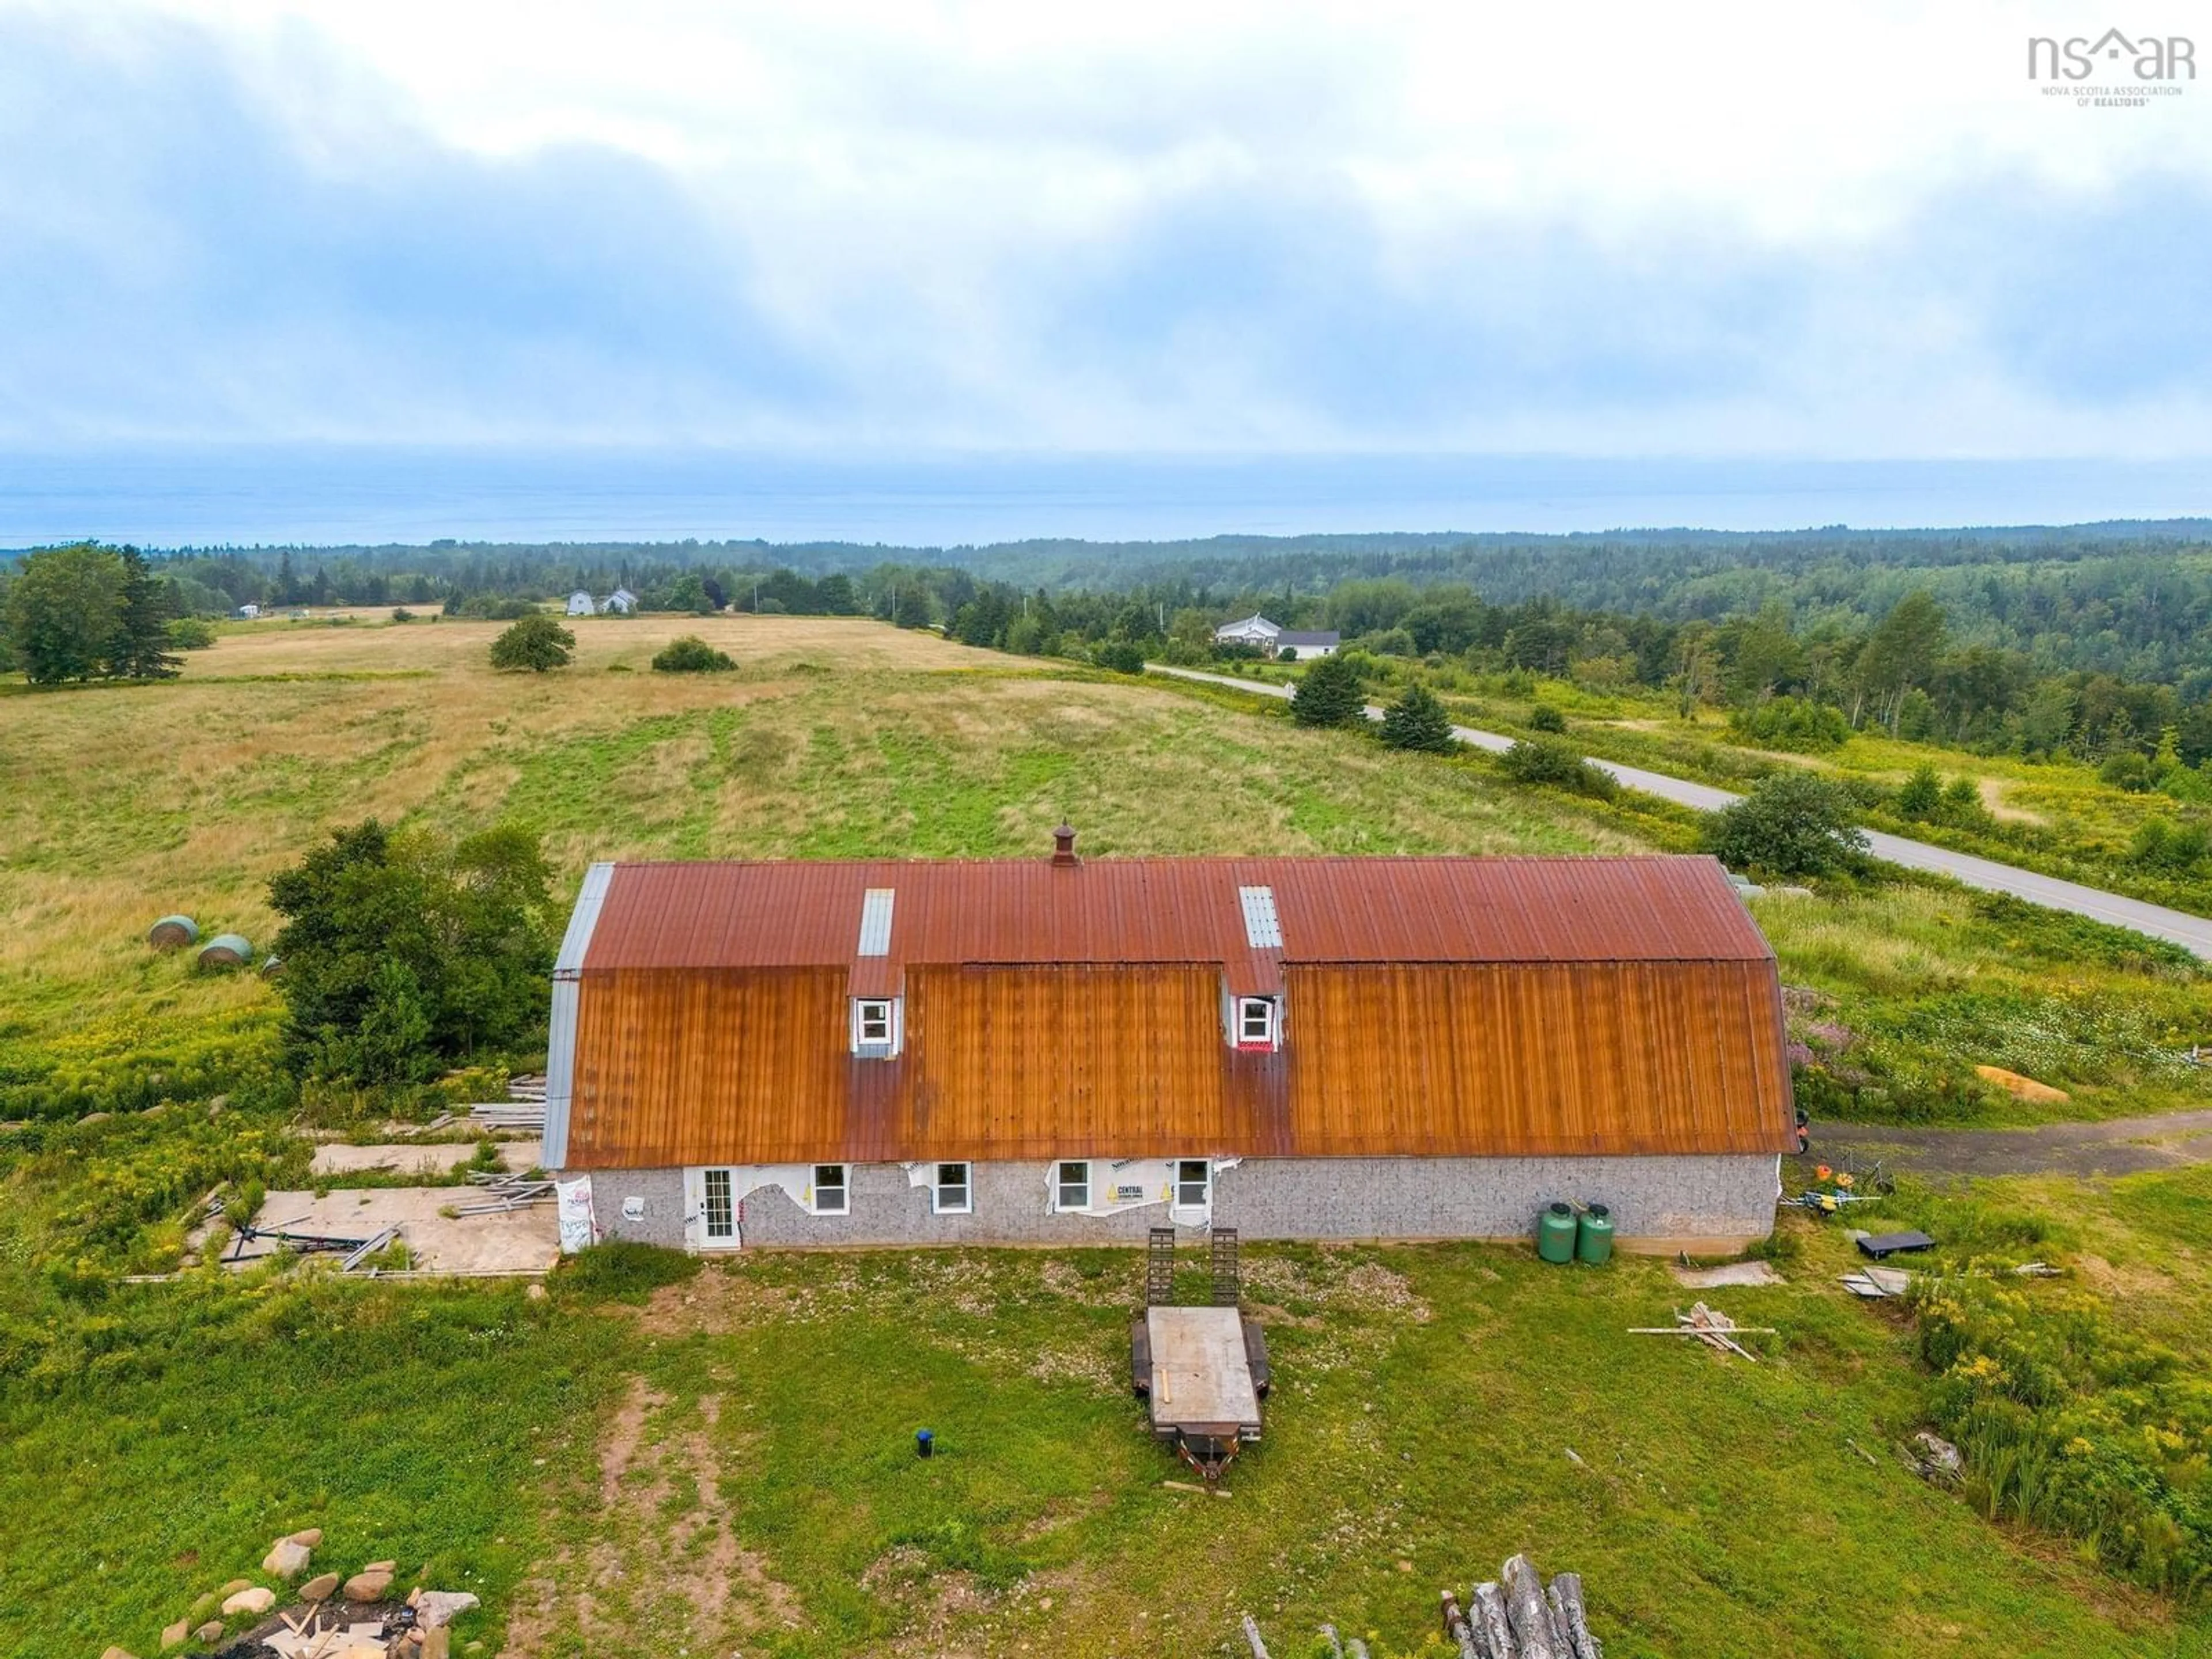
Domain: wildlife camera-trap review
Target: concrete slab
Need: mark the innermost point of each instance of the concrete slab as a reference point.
(436, 1158)
(514, 1241)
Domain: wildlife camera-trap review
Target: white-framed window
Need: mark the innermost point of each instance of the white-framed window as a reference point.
(1194, 1186)
(1256, 1022)
(875, 1025)
(831, 1194)
(718, 1208)
(1071, 1184)
(950, 1193)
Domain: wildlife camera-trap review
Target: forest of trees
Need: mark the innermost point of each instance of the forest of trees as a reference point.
(2094, 641)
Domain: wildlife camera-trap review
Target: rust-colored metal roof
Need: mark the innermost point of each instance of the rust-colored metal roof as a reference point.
(1177, 911)
(1441, 1007)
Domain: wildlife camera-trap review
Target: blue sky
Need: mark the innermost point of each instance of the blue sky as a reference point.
(852, 228)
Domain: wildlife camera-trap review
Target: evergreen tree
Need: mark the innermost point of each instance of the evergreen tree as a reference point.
(140, 644)
(1330, 695)
(1417, 720)
(1919, 796)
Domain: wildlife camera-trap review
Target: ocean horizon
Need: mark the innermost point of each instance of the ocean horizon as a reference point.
(300, 496)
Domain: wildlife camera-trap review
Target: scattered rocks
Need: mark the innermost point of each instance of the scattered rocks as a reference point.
(116, 1653)
(310, 1536)
(436, 1608)
(321, 1588)
(256, 1600)
(206, 1605)
(209, 1633)
(536, 1292)
(369, 1585)
(381, 1567)
(286, 1558)
(174, 1636)
(234, 1586)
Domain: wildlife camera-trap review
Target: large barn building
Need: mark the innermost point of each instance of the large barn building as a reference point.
(1056, 1051)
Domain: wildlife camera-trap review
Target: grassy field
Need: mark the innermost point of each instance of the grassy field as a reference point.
(723, 1463)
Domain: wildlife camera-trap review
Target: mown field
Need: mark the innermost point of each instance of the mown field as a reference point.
(723, 1464)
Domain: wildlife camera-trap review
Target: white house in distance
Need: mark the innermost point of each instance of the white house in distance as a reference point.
(249, 611)
(621, 600)
(579, 603)
(1273, 639)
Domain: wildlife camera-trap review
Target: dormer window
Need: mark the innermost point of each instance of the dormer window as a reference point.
(1256, 1022)
(876, 1027)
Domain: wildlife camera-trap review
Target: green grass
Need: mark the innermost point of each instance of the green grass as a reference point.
(599, 1442)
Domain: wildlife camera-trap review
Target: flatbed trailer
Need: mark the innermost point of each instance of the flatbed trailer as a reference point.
(1203, 1372)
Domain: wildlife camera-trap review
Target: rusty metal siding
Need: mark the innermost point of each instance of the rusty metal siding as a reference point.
(750, 1065)
(1536, 1059)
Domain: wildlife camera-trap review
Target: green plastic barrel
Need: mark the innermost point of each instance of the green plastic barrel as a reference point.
(1555, 1234)
(1594, 1240)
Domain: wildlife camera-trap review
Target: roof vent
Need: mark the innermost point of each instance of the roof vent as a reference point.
(1063, 847)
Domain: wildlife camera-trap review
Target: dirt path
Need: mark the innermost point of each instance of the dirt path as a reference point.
(2125, 1146)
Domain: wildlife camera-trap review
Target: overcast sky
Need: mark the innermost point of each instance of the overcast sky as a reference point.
(1592, 229)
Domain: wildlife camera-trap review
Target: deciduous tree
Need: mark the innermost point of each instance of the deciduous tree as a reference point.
(537, 642)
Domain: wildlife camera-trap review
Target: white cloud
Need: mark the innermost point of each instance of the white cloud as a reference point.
(1595, 227)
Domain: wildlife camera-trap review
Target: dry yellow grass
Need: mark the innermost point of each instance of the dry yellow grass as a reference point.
(835, 738)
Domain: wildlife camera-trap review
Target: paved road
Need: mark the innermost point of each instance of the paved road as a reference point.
(2195, 932)
(2125, 1146)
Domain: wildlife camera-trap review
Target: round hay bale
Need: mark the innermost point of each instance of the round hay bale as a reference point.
(272, 966)
(225, 951)
(173, 934)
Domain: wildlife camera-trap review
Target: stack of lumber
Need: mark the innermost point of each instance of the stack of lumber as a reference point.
(500, 1193)
(1514, 1616)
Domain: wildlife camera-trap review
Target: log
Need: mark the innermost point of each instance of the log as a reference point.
(1252, 1634)
(1493, 1630)
(1529, 1612)
(1335, 1646)
(1456, 1627)
(1566, 1594)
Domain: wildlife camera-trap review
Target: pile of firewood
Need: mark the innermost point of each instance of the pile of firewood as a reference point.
(1521, 1617)
(1517, 1616)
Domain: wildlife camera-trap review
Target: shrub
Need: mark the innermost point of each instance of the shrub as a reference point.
(1122, 656)
(402, 614)
(2163, 844)
(1546, 718)
(1288, 654)
(1553, 762)
(691, 655)
(1417, 720)
(1329, 694)
(191, 633)
(1798, 724)
(1792, 825)
(2126, 770)
(537, 642)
